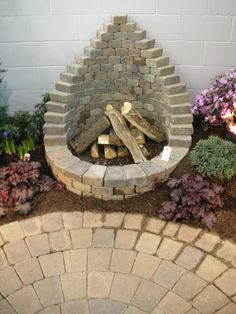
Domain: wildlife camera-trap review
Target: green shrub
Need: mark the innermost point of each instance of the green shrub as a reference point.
(214, 157)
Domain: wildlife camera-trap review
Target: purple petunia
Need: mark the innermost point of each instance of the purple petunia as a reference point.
(217, 103)
(5, 134)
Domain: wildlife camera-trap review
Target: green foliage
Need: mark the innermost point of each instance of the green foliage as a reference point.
(3, 115)
(25, 147)
(214, 157)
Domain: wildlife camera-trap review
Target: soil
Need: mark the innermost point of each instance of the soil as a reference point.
(148, 203)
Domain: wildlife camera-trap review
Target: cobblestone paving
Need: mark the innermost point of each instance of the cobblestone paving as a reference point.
(93, 263)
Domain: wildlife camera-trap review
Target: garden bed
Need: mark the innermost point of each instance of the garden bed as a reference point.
(148, 203)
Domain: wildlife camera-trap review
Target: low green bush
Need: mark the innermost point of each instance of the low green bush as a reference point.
(214, 157)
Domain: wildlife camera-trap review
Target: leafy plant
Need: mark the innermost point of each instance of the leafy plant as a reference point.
(25, 147)
(192, 197)
(217, 104)
(19, 183)
(214, 157)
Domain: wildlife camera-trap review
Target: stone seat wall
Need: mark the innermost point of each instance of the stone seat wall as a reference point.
(121, 64)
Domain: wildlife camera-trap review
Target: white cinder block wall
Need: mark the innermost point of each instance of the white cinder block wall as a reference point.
(39, 37)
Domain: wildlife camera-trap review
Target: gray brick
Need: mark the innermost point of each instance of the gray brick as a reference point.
(152, 53)
(119, 19)
(23, 297)
(62, 97)
(145, 43)
(100, 306)
(111, 28)
(98, 44)
(104, 36)
(137, 35)
(92, 52)
(134, 175)
(95, 175)
(49, 291)
(129, 27)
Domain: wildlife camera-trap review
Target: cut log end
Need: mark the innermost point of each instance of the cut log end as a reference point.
(109, 152)
(94, 150)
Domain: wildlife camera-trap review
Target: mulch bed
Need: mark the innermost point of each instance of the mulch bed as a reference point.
(148, 203)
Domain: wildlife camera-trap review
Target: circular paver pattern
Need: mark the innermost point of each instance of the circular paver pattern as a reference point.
(112, 263)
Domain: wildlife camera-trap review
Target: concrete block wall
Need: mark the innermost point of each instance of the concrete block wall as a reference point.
(39, 37)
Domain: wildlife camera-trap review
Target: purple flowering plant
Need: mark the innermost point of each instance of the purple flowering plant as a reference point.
(217, 104)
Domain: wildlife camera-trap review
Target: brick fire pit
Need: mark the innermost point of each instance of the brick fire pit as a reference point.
(120, 65)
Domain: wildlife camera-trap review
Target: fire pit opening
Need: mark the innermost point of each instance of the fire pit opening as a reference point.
(113, 111)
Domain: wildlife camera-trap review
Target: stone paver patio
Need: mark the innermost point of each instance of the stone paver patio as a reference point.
(93, 263)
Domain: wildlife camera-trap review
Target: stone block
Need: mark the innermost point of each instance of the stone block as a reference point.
(70, 78)
(170, 303)
(106, 306)
(99, 284)
(12, 232)
(148, 243)
(152, 53)
(189, 286)
(92, 220)
(77, 169)
(57, 106)
(155, 225)
(124, 287)
(94, 175)
(21, 297)
(16, 251)
(227, 251)
(120, 36)
(139, 61)
(104, 190)
(115, 177)
(171, 229)
(189, 258)
(210, 300)
(133, 221)
(169, 249)
(99, 259)
(163, 71)
(72, 220)
(5, 307)
(188, 234)
(81, 238)
(226, 282)
(180, 118)
(111, 28)
(58, 96)
(75, 260)
(101, 60)
(211, 268)
(60, 240)
(126, 239)
(29, 271)
(228, 309)
(122, 261)
(3, 260)
(51, 222)
(85, 60)
(157, 62)
(207, 241)
(66, 87)
(145, 43)
(107, 197)
(127, 190)
(154, 292)
(73, 307)
(92, 52)
(104, 36)
(114, 220)
(168, 274)
(9, 281)
(178, 109)
(98, 44)
(38, 245)
(119, 19)
(49, 291)
(74, 286)
(128, 27)
(152, 170)
(137, 35)
(132, 82)
(103, 238)
(115, 44)
(145, 265)
(52, 264)
(108, 52)
(134, 175)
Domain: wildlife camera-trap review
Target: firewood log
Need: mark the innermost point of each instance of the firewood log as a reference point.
(94, 150)
(123, 132)
(87, 137)
(135, 118)
(109, 152)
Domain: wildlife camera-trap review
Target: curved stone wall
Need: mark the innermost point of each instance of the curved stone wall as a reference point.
(121, 64)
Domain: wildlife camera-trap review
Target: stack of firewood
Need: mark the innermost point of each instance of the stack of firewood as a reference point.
(121, 140)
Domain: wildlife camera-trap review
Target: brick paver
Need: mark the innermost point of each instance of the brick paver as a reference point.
(95, 263)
